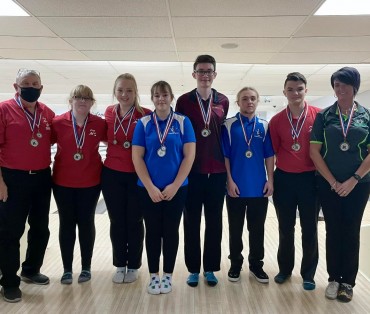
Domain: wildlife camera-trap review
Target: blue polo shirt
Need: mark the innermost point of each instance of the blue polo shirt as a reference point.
(163, 170)
(249, 174)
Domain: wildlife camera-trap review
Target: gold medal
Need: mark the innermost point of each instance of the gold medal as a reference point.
(206, 132)
(248, 154)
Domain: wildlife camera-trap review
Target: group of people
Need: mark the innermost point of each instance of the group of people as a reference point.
(167, 163)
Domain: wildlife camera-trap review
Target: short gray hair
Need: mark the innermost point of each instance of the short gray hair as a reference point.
(26, 72)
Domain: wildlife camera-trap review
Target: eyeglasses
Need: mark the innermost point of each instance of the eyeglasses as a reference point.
(203, 73)
(80, 98)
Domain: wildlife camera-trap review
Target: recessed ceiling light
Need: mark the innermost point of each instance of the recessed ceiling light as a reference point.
(344, 7)
(229, 46)
(10, 8)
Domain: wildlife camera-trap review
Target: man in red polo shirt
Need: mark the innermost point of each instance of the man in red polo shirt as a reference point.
(207, 110)
(25, 183)
(294, 181)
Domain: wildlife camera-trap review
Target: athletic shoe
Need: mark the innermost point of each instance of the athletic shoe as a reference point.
(67, 278)
(131, 275)
(234, 274)
(11, 295)
(259, 274)
(154, 285)
(166, 284)
(210, 277)
(38, 278)
(281, 278)
(84, 276)
(119, 275)
(345, 292)
(309, 285)
(331, 291)
(193, 279)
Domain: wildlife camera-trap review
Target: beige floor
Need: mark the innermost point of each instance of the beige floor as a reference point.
(246, 296)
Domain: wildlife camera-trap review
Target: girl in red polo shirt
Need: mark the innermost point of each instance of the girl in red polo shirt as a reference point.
(119, 180)
(76, 178)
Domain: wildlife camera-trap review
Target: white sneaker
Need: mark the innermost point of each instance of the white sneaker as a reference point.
(331, 291)
(119, 276)
(131, 275)
(166, 283)
(154, 285)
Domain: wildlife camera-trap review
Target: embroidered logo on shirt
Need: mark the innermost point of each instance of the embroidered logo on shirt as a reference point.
(92, 132)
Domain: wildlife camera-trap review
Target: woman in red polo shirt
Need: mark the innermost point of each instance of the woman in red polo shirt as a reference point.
(119, 180)
(76, 178)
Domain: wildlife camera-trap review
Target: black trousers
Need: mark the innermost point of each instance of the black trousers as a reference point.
(343, 217)
(292, 190)
(254, 209)
(29, 197)
(76, 207)
(120, 193)
(162, 221)
(206, 190)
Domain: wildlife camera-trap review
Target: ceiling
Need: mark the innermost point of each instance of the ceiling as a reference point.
(92, 41)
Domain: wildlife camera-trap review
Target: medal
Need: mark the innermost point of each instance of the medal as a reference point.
(344, 146)
(248, 154)
(206, 132)
(126, 144)
(34, 142)
(78, 156)
(205, 115)
(296, 147)
(118, 123)
(161, 151)
(39, 135)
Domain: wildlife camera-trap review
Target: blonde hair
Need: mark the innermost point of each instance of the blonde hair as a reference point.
(130, 77)
(82, 91)
(247, 88)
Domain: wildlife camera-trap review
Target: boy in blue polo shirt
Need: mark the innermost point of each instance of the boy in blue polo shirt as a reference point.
(248, 150)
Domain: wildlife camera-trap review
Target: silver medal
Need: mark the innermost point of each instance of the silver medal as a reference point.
(248, 154)
(296, 147)
(161, 151)
(126, 144)
(39, 135)
(344, 146)
(206, 132)
(34, 142)
(114, 141)
(77, 156)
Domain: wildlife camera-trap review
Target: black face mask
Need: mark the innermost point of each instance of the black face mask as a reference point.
(30, 94)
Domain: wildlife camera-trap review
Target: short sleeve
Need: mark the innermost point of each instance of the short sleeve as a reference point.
(225, 141)
(139, 134)
(317, 133)
(189, 135)
(268, 150)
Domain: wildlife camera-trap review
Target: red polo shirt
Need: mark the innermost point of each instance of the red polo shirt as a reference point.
(281, 135)
(209, 157)
(16, 152)
(85, 172)
(118, 157)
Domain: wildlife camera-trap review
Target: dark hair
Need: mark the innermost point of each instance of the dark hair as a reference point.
(161, 86)
(204, 59)
(347, 75)
(295, 76)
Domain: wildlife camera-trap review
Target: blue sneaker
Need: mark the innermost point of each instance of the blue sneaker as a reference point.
(210, 278)
(193, 279)
(309, 285)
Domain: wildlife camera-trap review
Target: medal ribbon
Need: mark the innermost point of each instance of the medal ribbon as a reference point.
(80, 140)
(295, 130)
(342, 124)
(30, 118)
(205, 115)
(162, 137)
(120, 120)
(245, 133)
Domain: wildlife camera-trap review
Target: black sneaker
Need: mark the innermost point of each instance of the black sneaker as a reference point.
(345, 293)
(234, 274)
(11, 295)
(281, 278)
(38, 279)
(260, 275)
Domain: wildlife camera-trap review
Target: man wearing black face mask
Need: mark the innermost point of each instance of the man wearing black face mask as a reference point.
(25, 183)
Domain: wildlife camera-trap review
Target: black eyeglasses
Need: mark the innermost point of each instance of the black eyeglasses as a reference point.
(203, 73)
(80, 98)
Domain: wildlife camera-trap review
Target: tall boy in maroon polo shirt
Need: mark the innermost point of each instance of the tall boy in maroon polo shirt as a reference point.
(294, 181)
(207, 110)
